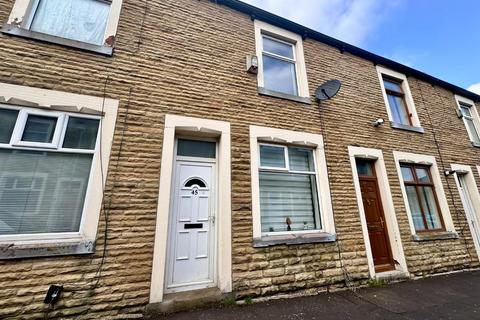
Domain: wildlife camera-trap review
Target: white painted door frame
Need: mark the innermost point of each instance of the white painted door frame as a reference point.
(470, 200)
(171, 244)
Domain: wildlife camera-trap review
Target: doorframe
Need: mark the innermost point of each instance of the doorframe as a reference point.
(171, 222)
(396, 246)
(197, 127)
(474, 197)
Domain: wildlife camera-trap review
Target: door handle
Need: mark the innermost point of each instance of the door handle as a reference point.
(382, 222)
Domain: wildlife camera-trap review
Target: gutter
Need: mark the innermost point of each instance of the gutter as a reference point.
(256, 13)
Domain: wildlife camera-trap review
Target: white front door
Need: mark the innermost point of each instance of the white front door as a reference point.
(192, 228)
(469, 210)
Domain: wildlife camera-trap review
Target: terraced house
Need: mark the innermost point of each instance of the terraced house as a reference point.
(156, 151)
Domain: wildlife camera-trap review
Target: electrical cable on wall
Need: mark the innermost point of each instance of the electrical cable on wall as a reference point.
(444, 168)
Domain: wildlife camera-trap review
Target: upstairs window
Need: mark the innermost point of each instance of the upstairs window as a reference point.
(279, 70)
(288, 189)
(281, 62)
(80, 20)
(398, 100)
(45, 165)
(468, 113)
(86, 24)
(468, 118)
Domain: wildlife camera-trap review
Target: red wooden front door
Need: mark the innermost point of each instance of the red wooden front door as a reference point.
(377, 228)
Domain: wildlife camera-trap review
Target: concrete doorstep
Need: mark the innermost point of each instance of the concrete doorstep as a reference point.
(454, 296)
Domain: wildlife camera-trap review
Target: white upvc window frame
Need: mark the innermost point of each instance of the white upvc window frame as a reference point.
(272, 136)
(23, 115)
(444, 210)
(26, 245)
(23, 12)
(410, 104)
(277, 34)
(465, 102)
(317, 210)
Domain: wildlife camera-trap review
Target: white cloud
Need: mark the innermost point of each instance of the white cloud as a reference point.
(475, 88)
(352, 21)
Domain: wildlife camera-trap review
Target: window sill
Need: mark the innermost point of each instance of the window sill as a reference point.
(45, 248)
(292, 239)
(265, 92)
(435, 236)
(406, 128)
(24, 33)
(476, 145)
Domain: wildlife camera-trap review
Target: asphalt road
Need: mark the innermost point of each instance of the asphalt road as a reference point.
(452, 297)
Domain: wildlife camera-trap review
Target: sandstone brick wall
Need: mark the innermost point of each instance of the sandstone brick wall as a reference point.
(187, 57)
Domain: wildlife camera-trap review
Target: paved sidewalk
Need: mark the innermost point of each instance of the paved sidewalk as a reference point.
(450, 297)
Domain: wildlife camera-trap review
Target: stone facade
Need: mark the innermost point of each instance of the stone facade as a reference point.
(187, 57)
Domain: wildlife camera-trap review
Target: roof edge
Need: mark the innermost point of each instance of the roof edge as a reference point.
(260, 14)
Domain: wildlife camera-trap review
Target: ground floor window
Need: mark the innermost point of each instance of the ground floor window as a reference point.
(421, 197)
(45, 164)
(288, 189)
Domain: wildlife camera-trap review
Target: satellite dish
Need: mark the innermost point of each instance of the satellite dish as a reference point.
(328, 90)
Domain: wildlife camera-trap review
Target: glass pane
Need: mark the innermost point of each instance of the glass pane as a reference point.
(465, 111)
(39, 129)
(364, 168)
(8, 118)
(279, 75)
(288, 199)
(272, 157)
(81, 133)
(422, 175)
(81, 20)
(473, 130)
(407, 174)
(398, 109)
(278, 48)
(414, 205)
(430, 207)
(301, 159)
(392, 85)
(42, 192)
(196, 148)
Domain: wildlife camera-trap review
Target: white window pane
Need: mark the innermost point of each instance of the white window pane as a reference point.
(473, 130)
(393, 86)
(278, 48)
(272, 157)
(300, 159)
(399, 110)
(81, 20)
(279, 75)
(465, 111)
(39, 129)
(8, 118)
(288, 197)
(42, 192)
(196, 148)
(81, 133)
(415, 209)
(422, 175)
(407, 174)
(430, 207)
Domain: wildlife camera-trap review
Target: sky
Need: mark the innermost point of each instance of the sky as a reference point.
(438, 37)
